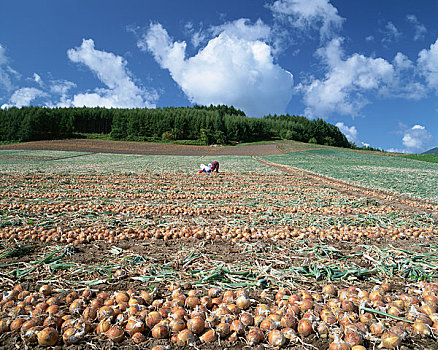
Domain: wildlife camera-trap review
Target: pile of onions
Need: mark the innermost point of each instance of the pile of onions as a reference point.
(346, 318)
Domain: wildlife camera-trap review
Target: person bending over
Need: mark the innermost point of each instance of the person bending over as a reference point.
(215, 166)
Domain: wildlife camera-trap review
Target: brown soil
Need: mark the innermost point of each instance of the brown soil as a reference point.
(144, 148)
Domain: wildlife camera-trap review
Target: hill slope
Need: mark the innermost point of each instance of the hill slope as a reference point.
(431, 151)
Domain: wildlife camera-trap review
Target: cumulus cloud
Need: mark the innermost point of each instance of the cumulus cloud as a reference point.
(243, 29)
(305, 15)
(416, 139)
(420, 29)
(343, 87)
(428, 65)
(349, 131)
(24, 96)
(110, 69)
(234, 68)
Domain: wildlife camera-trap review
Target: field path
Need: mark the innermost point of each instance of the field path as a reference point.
(404, 203)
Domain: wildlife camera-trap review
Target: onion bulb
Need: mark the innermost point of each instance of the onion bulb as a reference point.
(390, 340)
(305, 328)
(48, 336)
(115, 333)
(196, 325)
(255, 336)
(185, 337)
(160, 331)
(208, 337)
(276, 338)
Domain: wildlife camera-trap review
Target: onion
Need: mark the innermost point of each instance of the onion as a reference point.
(153, 318)
(238, 327)
(105, 312)
(329, 290)
(290, 334)
(206, 301)
(45, 290)
(214, 292)
(288, 321)
(160, 331)
(72, 336)
(192, 301)
(16, 324)
(247, 319)
(134, 325)
(243, 302)
(185, 337)
(276, 338)
(322, 330)
(48, 336)
(76, 307)
(390, 340)
(377, 328)
(358, 347)
(103, 326)
(115, 333)
(305, 328)
(138, 338)
(223, 329)
(255, 336)
(33, 322)
(421, 328)
(177, 325)
(122, 297)
(338, 344)
(208, 337)
(196, 325)
(5, 324)
(267, 325)
(228, 297)
(30, 336)
(352, 337)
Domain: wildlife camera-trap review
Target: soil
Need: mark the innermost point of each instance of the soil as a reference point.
(144, 148)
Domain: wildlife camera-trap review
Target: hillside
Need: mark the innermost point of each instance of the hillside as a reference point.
(431, 151)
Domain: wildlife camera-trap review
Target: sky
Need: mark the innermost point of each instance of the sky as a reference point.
(369, 67)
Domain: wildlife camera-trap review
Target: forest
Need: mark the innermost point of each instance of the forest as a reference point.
(202, 125)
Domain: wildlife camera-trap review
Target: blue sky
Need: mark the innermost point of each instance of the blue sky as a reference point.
(368, 66)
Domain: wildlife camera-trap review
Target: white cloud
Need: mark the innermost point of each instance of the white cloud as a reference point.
(3, 58)
(37, 79)
(111, 70)
(233, 68)
(197, 36)
(390, 33)
(5, 70)
(343, 88)
(416, 139)
(420, 29)
(305, 14)
(24, 96)
(349, 131)
(243, 29)
(428, 65)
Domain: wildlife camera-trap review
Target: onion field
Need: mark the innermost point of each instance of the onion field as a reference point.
(316, 249)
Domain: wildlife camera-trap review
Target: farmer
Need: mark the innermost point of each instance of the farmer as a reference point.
(205, 168)
(215, 166)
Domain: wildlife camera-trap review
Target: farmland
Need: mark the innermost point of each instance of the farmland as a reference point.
(268, 251)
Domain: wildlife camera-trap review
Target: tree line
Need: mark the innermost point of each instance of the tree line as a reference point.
(199, 124)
